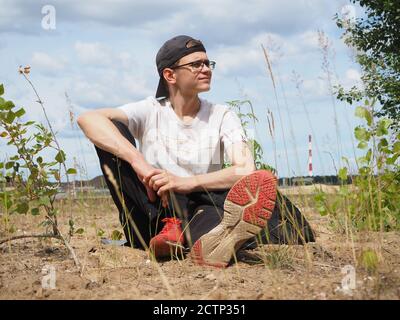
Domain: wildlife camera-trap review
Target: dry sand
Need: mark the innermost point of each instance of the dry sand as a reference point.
(313, 271)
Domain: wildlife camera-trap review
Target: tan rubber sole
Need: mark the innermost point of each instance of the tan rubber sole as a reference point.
(247, 208)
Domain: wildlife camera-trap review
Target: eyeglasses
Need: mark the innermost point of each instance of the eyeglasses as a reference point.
(198, 65)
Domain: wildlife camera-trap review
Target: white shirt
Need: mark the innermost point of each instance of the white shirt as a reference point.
(166, 142)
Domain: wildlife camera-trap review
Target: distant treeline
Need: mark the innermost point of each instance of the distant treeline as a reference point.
(100, 183)
(306, 180)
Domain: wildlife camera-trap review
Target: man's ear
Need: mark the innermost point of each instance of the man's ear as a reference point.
(169, 75)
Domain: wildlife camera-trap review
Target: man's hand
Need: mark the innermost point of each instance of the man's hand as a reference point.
(162, 181)
(142, 173)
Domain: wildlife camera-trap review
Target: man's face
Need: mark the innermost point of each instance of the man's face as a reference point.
(192, 79)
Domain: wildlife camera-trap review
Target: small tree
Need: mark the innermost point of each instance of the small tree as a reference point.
(33, 182)
(376, 40)
(372, 201)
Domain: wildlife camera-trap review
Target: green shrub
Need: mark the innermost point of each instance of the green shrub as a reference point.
(372, 201)
(29, 182)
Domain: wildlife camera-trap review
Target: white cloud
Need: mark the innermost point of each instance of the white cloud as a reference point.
(110, 89)
(352, 78)
(118, 76)
(93, 53)
(353, 75)
(313, 88)
(98, 73)
(126, 59)
(227, 21)
(47, 64)
(236, 59)
(309, 39)
(248, 58)
(103, 56)
(8, 15)
(88, 92)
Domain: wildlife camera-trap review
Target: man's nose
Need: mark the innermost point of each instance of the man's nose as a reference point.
(205, 68)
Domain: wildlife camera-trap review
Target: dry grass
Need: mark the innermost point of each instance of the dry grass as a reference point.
(269, 272)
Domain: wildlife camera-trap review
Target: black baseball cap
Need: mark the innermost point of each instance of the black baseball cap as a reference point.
(170, 52)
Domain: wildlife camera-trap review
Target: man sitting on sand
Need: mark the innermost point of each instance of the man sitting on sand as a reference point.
(173, 190)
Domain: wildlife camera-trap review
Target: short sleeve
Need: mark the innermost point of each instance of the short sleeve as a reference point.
(231, 130)
(138, 113)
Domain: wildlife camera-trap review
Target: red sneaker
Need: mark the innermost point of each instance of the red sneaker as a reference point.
(247, 208)
(169, 238)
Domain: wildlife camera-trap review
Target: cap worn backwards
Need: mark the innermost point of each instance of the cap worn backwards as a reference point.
(171, 51)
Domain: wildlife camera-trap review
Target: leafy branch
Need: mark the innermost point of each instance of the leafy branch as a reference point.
(30, 182)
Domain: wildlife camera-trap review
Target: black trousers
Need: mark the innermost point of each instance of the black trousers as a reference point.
(199, 211)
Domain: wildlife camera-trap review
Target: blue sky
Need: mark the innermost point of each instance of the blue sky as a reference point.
(102, 54)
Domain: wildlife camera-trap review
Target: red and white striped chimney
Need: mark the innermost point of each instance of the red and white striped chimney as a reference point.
(310, 171)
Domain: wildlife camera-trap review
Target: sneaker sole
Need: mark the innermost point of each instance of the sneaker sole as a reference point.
(247, 208)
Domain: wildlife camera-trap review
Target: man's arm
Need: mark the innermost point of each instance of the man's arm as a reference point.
(98, 127)
(242, 165)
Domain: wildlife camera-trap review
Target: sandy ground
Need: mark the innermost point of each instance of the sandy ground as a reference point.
(313, 271)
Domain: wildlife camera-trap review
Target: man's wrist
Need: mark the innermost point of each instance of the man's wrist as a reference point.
(194, 182)
(138, 163)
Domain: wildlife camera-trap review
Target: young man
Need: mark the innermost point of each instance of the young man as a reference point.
(176, 175)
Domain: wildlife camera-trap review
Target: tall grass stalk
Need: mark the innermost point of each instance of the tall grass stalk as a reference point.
(286, 217)
(271, 130)
(294, 143)
(271, 74)
(77, 137)
(136, 230)
(298, 82)
(326, 50)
